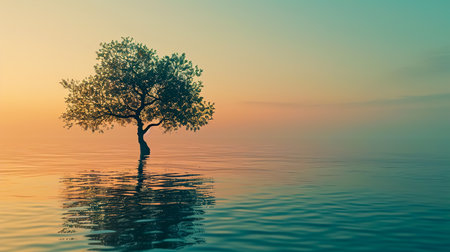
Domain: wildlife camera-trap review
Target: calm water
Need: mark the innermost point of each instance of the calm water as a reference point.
(222, 198)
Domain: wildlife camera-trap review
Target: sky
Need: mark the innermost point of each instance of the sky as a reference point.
(275, 69)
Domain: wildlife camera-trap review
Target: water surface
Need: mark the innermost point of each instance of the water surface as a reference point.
(222, 198)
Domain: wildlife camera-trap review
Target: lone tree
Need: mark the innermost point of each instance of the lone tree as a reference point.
(132, 84)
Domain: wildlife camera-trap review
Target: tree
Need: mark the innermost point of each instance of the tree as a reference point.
(133, 85)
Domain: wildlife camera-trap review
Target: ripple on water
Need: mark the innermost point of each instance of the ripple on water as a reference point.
(221, 200)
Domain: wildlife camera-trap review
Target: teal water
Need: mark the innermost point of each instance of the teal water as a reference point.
(223, 198)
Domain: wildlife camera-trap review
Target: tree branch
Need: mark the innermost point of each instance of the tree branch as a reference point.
(115, 115)
(110, 113)
(145, 104)
(150, 103)
(121, 116)
(152, 125)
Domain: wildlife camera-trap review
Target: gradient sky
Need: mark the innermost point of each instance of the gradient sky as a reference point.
(281, 69)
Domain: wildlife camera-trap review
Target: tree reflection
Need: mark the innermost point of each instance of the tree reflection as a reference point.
(130, 212)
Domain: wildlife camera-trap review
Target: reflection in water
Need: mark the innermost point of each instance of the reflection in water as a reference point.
(130, 212)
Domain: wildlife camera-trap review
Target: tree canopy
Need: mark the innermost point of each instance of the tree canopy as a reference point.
(132, 84)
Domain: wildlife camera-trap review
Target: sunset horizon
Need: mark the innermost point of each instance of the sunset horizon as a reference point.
(224, 125)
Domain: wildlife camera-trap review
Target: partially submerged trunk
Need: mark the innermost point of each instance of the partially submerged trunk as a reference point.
(145, 150)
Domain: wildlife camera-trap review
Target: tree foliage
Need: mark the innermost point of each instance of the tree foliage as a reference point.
(132, 84)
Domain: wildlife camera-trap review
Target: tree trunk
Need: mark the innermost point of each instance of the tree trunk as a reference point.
(145, 150)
